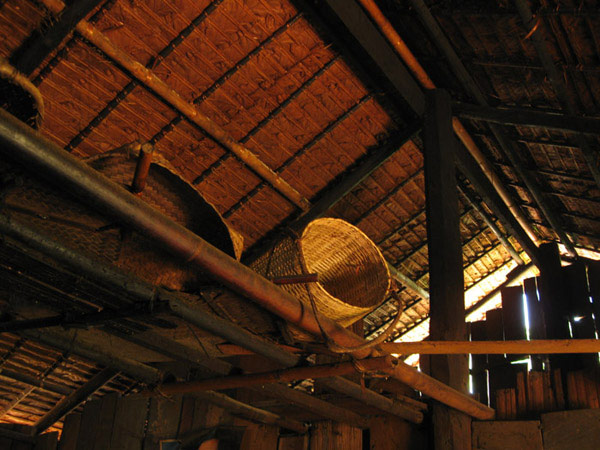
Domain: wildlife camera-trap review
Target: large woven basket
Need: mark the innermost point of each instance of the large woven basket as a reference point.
(19, 96)
(353, 275)
(55, 213)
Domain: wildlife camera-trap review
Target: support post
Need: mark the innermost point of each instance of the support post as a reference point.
(446, 284)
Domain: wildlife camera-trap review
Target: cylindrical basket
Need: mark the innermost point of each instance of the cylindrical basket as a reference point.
(353, 274)
(57, 214)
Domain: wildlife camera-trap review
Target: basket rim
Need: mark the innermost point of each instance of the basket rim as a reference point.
(358, 310)
(9, 72)
(132, 150)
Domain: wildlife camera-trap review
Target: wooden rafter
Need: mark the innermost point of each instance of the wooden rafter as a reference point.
(147, 77)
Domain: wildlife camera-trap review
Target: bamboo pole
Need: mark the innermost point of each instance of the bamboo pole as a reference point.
(535, 347)
(39, 154)
(278, 376)
(250, 412)
(440, 391)
(187, 109)
(142, 168)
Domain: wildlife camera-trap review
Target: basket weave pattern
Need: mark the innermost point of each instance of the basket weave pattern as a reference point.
(57, 215)
(353, 275)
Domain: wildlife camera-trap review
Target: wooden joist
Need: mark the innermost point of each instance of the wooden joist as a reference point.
(546, 346)
(149, 79)
(40, 44)
(528, 118)
(72, 401)
(380, 364)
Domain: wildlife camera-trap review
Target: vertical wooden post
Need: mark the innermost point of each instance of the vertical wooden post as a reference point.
(553, 293)
(452, 429)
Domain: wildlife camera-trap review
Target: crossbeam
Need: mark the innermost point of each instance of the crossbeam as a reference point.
(528, 117)
(534, 347)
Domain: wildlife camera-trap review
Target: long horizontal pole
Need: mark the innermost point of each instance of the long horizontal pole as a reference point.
(22, 143)
(187, 109)
(277, 376)
(528, 118)
(250, 412)
(145, 292)
(535, 347)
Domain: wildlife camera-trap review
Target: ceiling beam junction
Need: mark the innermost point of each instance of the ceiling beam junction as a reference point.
(41, 43)
(22, 144)
(74, 399)
(156, 85)
(556, 79)
(528, 117)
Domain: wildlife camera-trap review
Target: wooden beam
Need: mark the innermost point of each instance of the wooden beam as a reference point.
(534, 347)
(361, 27)
(508, 147)
(388, 61)
(446, 283)
(250, 412)
(40, 44)
(278, 376)
(149, 79)
(106, 355)
(528, 118)
(395, 407)
(556, 77)
(73, 400)
(489, 222)
(468, 166)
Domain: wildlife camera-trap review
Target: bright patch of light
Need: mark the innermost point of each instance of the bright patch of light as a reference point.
(526, 316)
(523, 361)
(470, 375)
(570, 329)
(413, 360)
(589, 254)
(578, 318)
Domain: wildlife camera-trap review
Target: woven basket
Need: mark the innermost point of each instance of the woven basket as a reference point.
(19, 96)
(56, 214)
(353, 275)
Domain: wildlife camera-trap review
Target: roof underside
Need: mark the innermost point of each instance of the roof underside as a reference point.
(282, 85)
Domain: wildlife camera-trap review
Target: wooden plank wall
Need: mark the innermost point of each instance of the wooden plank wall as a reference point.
(46, 441)
(569, 381)
(141, 423)
(137, 422)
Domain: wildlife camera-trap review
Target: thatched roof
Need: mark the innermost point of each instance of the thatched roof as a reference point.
(280, 81)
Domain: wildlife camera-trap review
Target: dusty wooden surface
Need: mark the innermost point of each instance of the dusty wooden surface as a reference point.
(500, 435)
(568, 430)
(329, 435)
